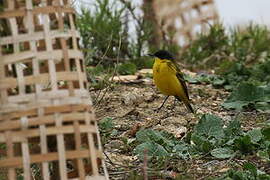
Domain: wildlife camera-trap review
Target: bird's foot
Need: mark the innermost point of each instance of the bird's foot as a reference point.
(157, 110)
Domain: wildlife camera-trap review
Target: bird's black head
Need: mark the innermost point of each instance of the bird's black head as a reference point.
(162, 54)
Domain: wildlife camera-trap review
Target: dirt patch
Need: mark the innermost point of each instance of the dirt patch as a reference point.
(132, 107)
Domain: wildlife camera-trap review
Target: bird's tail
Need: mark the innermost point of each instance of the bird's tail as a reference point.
(187, 104)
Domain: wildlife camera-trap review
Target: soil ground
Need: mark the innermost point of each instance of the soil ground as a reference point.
(132, 107)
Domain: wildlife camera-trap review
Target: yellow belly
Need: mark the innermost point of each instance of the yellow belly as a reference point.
(166, 81)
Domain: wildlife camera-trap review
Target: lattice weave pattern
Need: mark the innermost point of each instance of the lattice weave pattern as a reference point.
(47, 125)
(184, 18)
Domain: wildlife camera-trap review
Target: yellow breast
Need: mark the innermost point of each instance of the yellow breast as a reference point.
(165, 79)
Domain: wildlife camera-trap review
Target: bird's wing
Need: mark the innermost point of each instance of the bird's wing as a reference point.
(179, 76)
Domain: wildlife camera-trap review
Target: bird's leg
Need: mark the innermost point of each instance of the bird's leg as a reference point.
(174, 104)
(157, 110)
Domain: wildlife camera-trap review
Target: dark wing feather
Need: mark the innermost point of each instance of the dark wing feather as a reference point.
(179, 76)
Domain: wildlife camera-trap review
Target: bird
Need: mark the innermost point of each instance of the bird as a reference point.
(169, 79)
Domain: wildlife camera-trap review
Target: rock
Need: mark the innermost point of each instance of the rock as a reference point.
(145, 71)
(132, 98)
(180, 132)
(127, 79)
(147, 81)
(149, 96)
(223, 170)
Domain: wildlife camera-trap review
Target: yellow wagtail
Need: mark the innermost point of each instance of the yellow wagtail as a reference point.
(169, 79)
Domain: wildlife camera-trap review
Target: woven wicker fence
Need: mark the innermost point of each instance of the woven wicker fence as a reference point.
(47, 124)
(183, 19)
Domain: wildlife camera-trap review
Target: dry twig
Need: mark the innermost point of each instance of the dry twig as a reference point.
(145, 176)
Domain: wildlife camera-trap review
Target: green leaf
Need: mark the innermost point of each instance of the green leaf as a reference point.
(127, 68)
(153, 149)
(114, 132)
(264, 106)
(228, 87)
(255, 135)
(148, 135)
(247, 93)
(191, 79)
(222, 153)
(237, 105)
(210, 126)
(264, 155)
(244, 144)
(182, 150)
(233, 129)
(251, 168)
(106, 124)
(201, 143)
(236, 175)
(266, 133)
(218, 81)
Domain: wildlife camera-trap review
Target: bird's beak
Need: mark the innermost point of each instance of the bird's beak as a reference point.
(151, 55)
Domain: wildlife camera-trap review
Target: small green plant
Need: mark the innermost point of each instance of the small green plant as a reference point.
(249, 95)
(102, 31)
(209, 137)
(108, 46)
(127, 68)
(242, 54)
(98, 76)
(248, 45)
(143, 62)
(206, 49)
(105, 36)
(237, 72)
(249, 172)
(106, 125)
(107, 129)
